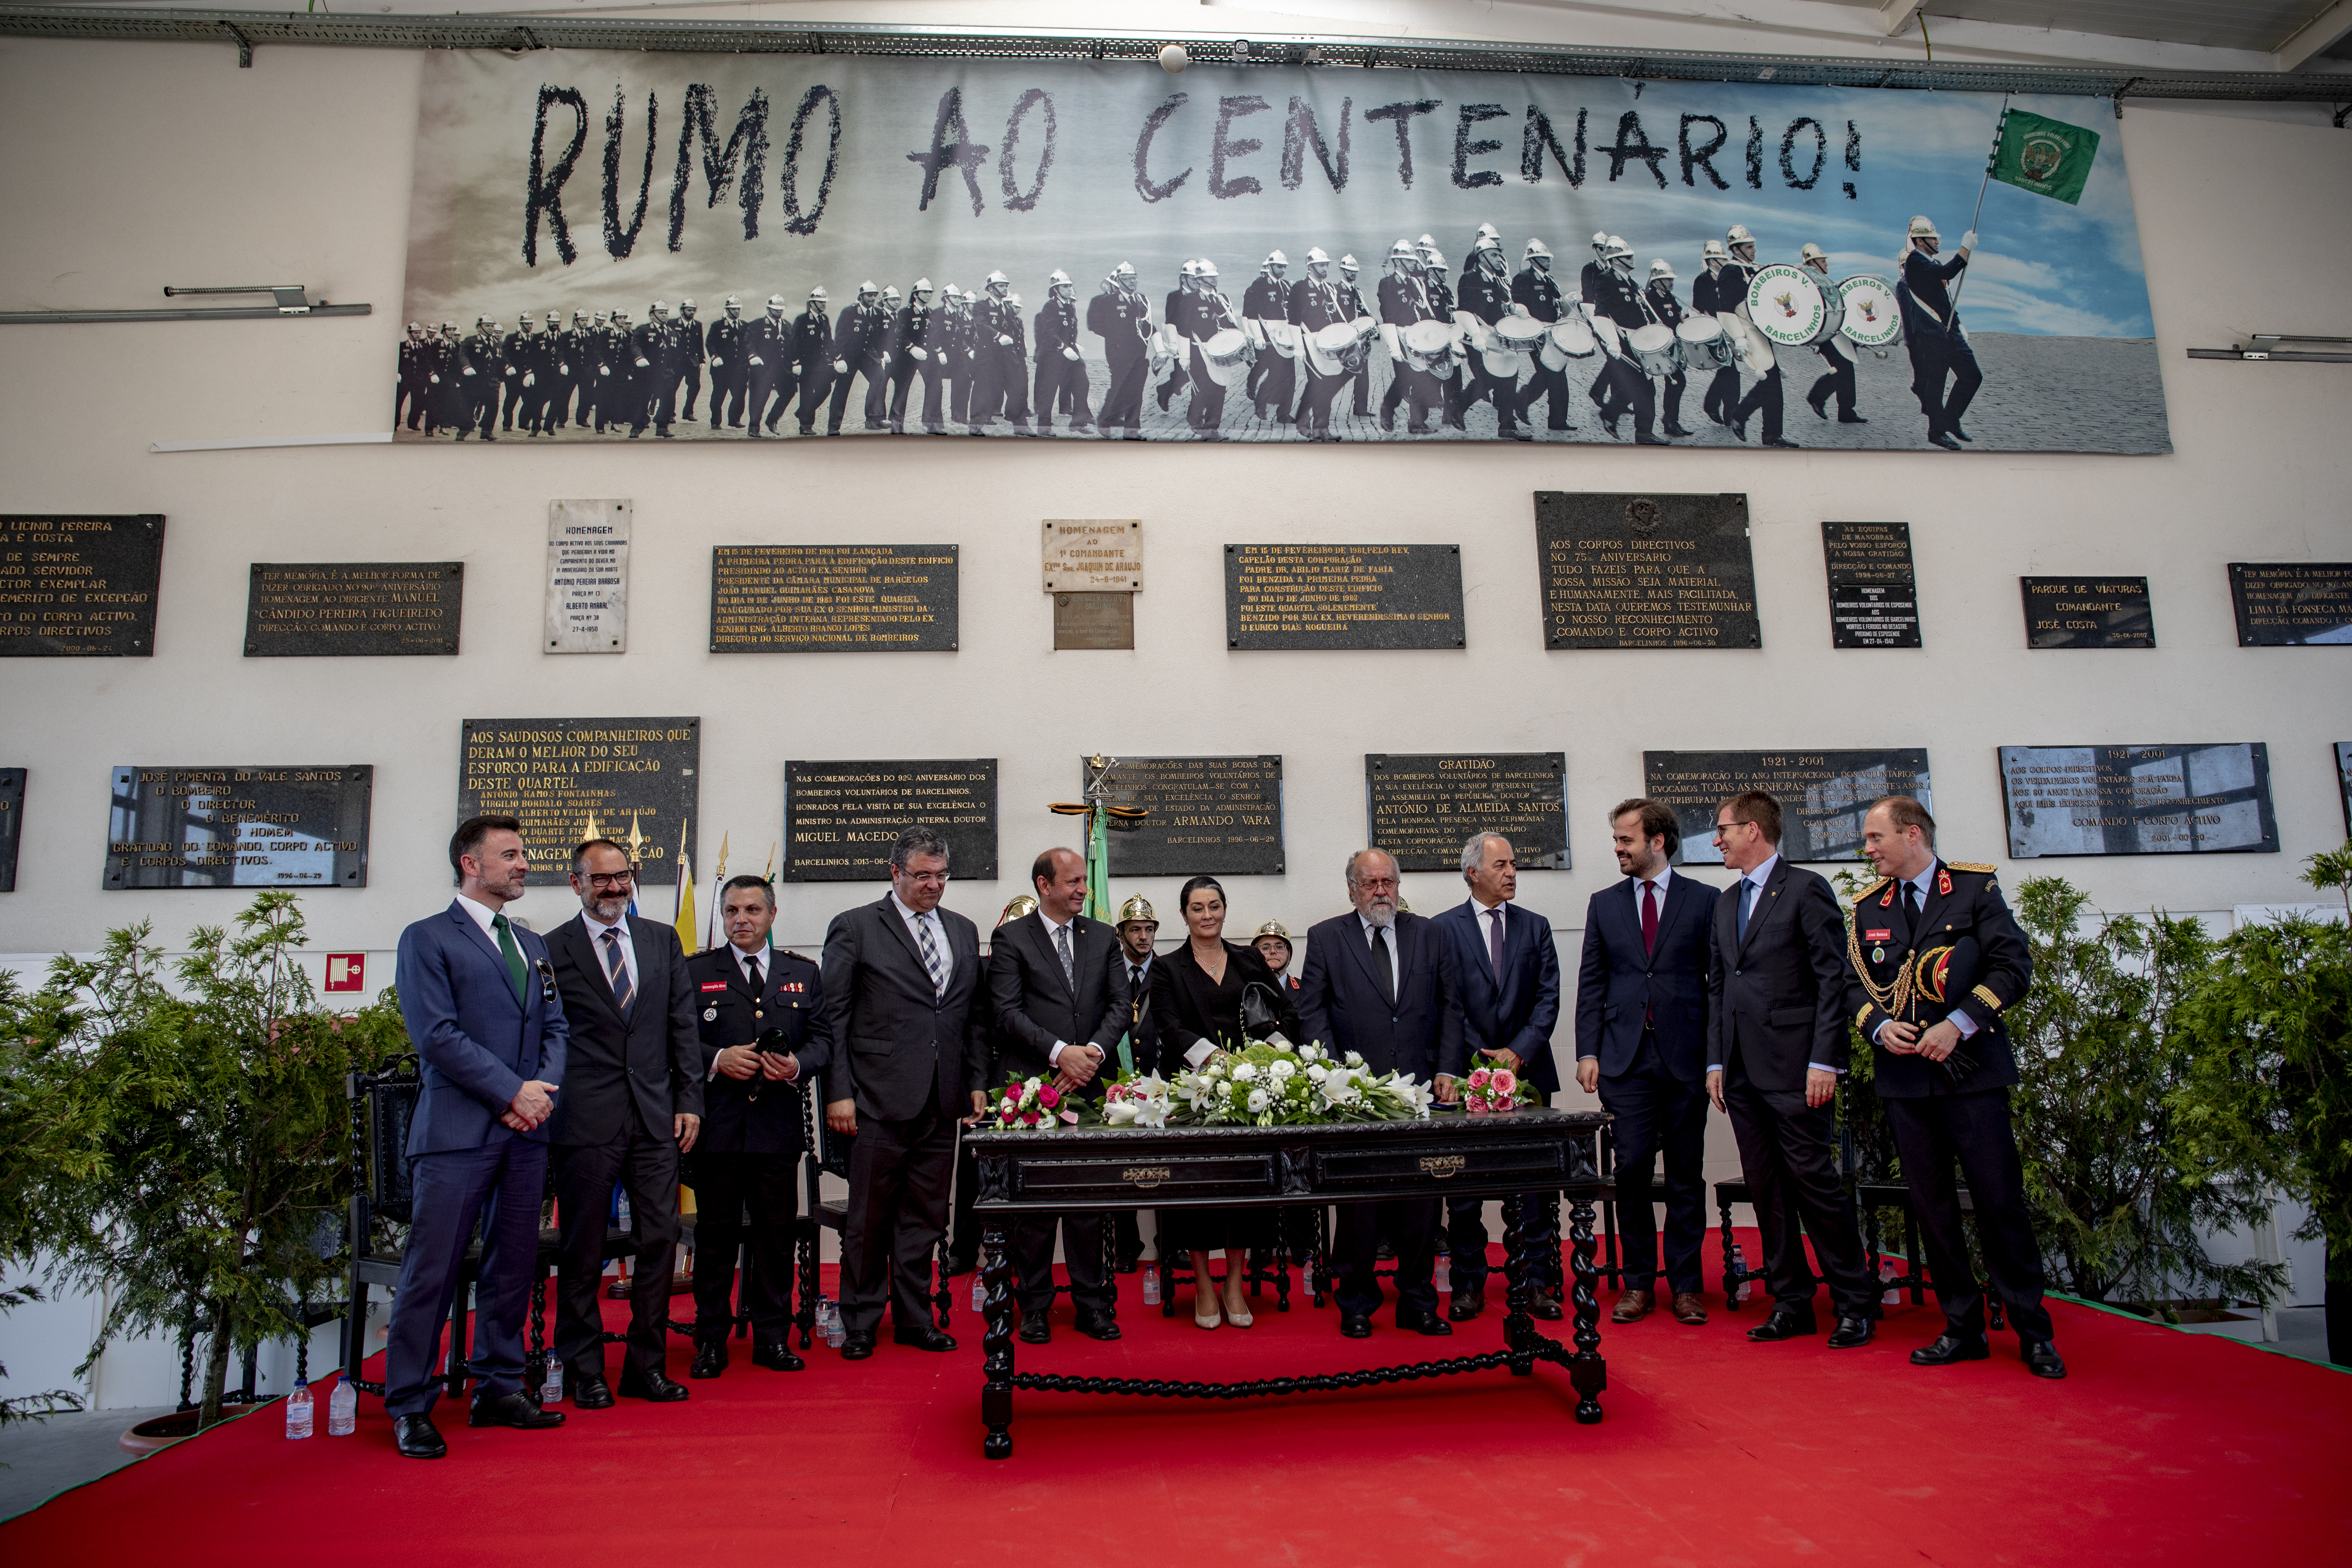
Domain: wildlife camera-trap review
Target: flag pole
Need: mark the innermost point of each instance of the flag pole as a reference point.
(1999, 127)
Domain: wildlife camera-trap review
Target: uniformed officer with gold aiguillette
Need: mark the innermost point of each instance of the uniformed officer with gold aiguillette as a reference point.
(1934, 959)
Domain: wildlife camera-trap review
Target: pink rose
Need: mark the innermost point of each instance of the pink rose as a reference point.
(1028, 1118)
(1480, 1078)
(1505, 1081)
(1049, 1097)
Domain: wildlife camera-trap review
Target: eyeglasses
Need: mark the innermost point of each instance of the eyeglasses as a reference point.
(1727, 827)
(611, 879)
(926, 878)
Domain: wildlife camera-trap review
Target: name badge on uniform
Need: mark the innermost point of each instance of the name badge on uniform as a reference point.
(710, 985)
(1877, 955)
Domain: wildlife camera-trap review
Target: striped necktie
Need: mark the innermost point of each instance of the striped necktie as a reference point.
(1069, 964)
(931, 959)
(616, 970)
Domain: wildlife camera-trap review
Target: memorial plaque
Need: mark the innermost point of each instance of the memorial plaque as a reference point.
(2343, 780)
(2137, 800)
(629, 780)
(1824, 795)
(79, 587)
(1215, 816)
(2088, 612)
(2291, 603)
(1094, 621)
(238, 828)
(1093, 556)
(832, 598)
(841, 819)
(1645, 571)
(1424, 808)
(353, 609)
(12, 825)
(1873, 592)
(588, 575)
(1285, 597)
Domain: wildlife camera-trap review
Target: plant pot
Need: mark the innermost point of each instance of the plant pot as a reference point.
(163, 1431)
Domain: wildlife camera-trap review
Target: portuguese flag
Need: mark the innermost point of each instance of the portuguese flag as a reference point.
(2048, 157)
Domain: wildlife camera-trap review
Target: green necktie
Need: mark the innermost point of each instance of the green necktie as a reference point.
(516, 968)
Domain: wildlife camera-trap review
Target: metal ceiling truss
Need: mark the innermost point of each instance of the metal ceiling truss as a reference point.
(247, 30)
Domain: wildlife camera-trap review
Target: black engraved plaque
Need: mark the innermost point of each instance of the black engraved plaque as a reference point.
(238, 828)
(79, 587)
(841, 819)
(1424, 808)
(1645, 571)
(2139, 800)
(1824, 795)
(2291, 603)
(1874, 591)
(12, 825)
(832, 598)
(2343, 780)
(629, 780)
(1218, 816)
(1288, 596)
(353, 608)
(2088, 612)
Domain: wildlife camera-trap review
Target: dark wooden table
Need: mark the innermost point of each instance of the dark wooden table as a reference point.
(1555, 1153)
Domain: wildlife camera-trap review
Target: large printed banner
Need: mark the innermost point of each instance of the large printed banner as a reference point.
(609, 246)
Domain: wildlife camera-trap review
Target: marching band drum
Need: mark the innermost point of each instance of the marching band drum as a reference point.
(1705, 346)
(1429, 346)
(1571, 338)
(1227, 355)
(1653, 349)
(1870, 319)
(1339, 348)
(1787, 307)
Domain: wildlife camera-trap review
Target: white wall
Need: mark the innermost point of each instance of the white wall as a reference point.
(131, 166)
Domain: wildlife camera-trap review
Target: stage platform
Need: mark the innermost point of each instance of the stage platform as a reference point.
(2162, 1447)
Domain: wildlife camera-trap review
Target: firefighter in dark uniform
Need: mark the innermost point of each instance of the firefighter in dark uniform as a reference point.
(1404, 301)
(914, 352)
(1487, 294)
(654, 355)
(1121, 317)
(1711, 296)
(1931, 331)
(1536, 293)
(444, 397)
(1178, 376)
(616, 373)
(1934, 960)
(1659, 295)
(519, 374)
(767, 369)
(724, 345)
(951, 339)
(1200, 311)
(1621, 301)
(483, 373)
(1838, 380)
(1061, 369)
(1604, 389)
(562, 360)
(1315, 305)
(1738, 274)
(1139, 928)
(764, 1037)
(861, 346)
(1353, 307)
(408, 399)
(591, 370)
(1001, 344)
(808, 363)
(691, 352)
(1441, 300)
(1273, 378)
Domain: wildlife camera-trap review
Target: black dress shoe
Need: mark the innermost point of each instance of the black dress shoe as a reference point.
(709, 1360)
(1815, 404)
(1960, 433)
(1673, 429)
(592, 1393)
(1546, 1304)
(1356, 1325)
(922, 1337)
(1469, 1300)
(1036, 1329)
(1777, 441)
(1099, 1325)
(776, 1356)
(1784, 1324)
(514, 1410)
(2041, 1358)
(1852, 1332)
(1851, 419)
(857, 1344)
(1428, 1323)
(418, 1438)
(1949, 1347)
(1644, 439)
(1940, 439)
(654, 1386)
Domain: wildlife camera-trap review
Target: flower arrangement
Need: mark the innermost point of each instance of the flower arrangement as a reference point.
(1488, 1089)
(1032, 1103)
(1272, 1083)
(1142, 1101)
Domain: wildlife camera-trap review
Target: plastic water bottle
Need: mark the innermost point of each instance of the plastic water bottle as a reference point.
(1740, 1265)
(1890, 1296)
(1151, 1285)
(1441, 1276)
(625, 1216)
(298, 1412)
(979, 1293)
(342, 1409)
(835, 1330)
(551, 1386)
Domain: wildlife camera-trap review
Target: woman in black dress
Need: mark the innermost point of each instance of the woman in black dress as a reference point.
(1196, 1004)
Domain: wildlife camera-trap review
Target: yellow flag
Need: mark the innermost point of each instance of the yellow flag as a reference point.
(685, 937)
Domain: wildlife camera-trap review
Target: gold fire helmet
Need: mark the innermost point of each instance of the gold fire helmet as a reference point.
(1022, 904)
(1138, 907)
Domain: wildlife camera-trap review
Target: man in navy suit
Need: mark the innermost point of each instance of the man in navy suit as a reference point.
(1641, 1045)
(1382, 984)
(478, 997)
(1511, 1004)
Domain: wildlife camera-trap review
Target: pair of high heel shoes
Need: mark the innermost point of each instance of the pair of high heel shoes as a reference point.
(1234, 1309)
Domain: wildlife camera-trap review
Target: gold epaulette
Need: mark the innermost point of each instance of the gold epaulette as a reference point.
(1874, 888)
(1973, 865)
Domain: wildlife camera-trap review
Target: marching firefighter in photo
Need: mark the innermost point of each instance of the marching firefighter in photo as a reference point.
(1315, 309)
(1486, 299)
(1534, 294)
(1353, 308)
(1000, 345)
(408, 400)
(728, 377)
(691, 352)
(810, 361)
(1414, 373)
(1177, 376)
(914, 355)
(767, 367)
(1266, 305)
(1204, 318)
(654, 353)
(1121, 317)
(1658, 298)
(1765, 396)
(861, 348)
(1838, 380)
(1713, 295)
(1623, 305)
(1061, 376)
(1441, 300)
(1931, 331)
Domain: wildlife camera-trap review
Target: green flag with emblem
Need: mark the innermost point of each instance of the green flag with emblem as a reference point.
(2048, 157)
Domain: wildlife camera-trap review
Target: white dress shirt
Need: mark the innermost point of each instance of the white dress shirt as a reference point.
(596, 930)
(915, 924)
(1957, 1018)
(743, 958)
(1760, 876)
(482, 914)
(1053, 938)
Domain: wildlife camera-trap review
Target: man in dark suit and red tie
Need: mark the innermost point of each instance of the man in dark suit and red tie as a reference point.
(1511, 1004)
(904, 994)
(1776, 1046)
(763, 1039)
(632, 1104)
(1380, 982)
(1641, 1045)
(481, 1007)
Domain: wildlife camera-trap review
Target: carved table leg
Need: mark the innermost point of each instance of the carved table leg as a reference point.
(1519, 1290)
(996, 1342)
(1731, 1268)
(1586, 1370)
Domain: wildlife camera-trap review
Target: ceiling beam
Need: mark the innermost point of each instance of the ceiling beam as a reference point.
(2322, 32)
(1894, 16)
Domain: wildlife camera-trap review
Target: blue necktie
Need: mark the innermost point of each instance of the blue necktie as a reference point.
(1747, 903)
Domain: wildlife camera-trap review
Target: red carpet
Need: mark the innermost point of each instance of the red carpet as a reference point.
(2162, 1447)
